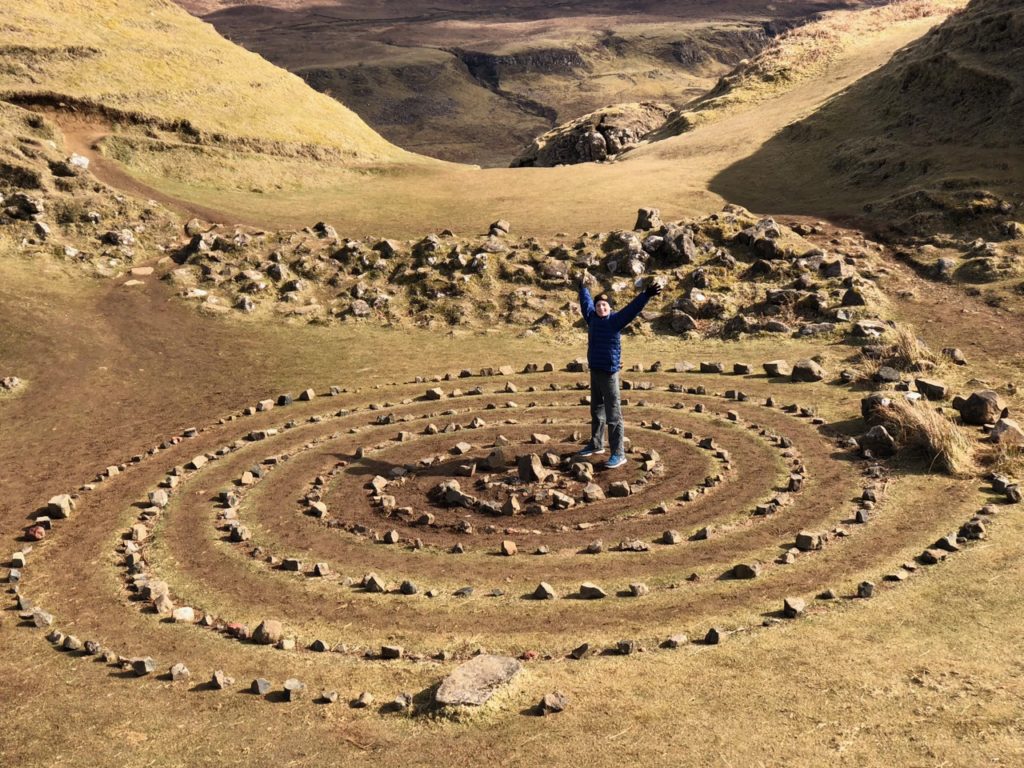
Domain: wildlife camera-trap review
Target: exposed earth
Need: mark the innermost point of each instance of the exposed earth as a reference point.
(289, 411)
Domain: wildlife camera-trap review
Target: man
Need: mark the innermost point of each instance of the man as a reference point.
(604, 356)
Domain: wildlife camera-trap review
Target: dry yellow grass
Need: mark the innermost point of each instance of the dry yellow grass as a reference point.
(921, 429)
(152, 59)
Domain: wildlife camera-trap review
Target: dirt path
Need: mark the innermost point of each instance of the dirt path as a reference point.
(83, 136)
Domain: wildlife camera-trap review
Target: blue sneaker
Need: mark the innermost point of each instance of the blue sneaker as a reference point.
(615, 461)
(589, 450)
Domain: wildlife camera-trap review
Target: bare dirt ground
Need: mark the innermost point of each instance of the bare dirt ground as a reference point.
(926, 672)
(145, 367)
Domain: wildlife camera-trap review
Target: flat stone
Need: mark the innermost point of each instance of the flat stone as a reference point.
(590, 591)
(474, 682)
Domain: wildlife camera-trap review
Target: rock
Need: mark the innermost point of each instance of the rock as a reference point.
(544, 591)
(532, 469)
(328, 697)
(590, 591)
(878, 441)
(807, 541)
(462, 448)
(72, 643)
(552, 703)
(807, 370)
(474, 682)
(60, 507)
(508, 548)
(676, 641)
(434, 394)
(268, 632)
(982, 407)
(778, 369)
(260, 686)
(712, 367)
(362, 701)
(872, 405)
(1007, 432)
(865, 589)
(619, 489)
(671, 537)
(793, 607)
(745, 571)
(956, 356)
(221, 681)
(197, 462)
(143, 666)
(184, 615)
(391, 652)
(374, 583)
(293, 689)
(592, 492)
(638, 589)
(594, 547)
(713, 637)
(180, 673)
(932, 389)
(239, 534)
(408, 588)
(648, 218)
(159, 498)
(580, 651)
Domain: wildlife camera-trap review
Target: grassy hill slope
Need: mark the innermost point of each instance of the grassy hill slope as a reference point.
(927, 143)
(150, 61)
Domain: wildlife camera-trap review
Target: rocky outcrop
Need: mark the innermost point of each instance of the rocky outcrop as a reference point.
(599, 136)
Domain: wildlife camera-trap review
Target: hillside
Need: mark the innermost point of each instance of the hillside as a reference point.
(477, 81)
(149, 62)
(928, 143)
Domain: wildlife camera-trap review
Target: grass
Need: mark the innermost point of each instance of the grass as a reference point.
(153, 60)
(921, 429)
(800, 55)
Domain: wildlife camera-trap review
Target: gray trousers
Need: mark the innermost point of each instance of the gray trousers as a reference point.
(605, 409)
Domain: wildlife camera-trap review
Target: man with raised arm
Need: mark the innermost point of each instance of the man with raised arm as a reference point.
(604, 356)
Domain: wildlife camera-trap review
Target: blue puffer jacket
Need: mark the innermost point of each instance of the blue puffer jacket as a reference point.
(604, 339)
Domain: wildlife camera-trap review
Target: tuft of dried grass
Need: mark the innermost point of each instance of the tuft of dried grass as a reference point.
(920, 428)
(907, 351)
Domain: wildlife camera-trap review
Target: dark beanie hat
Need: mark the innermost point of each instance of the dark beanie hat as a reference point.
(605, 298)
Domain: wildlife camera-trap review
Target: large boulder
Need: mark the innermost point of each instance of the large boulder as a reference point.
(473, 683)
(807, 370)
(982, 407)
(1007, 432)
